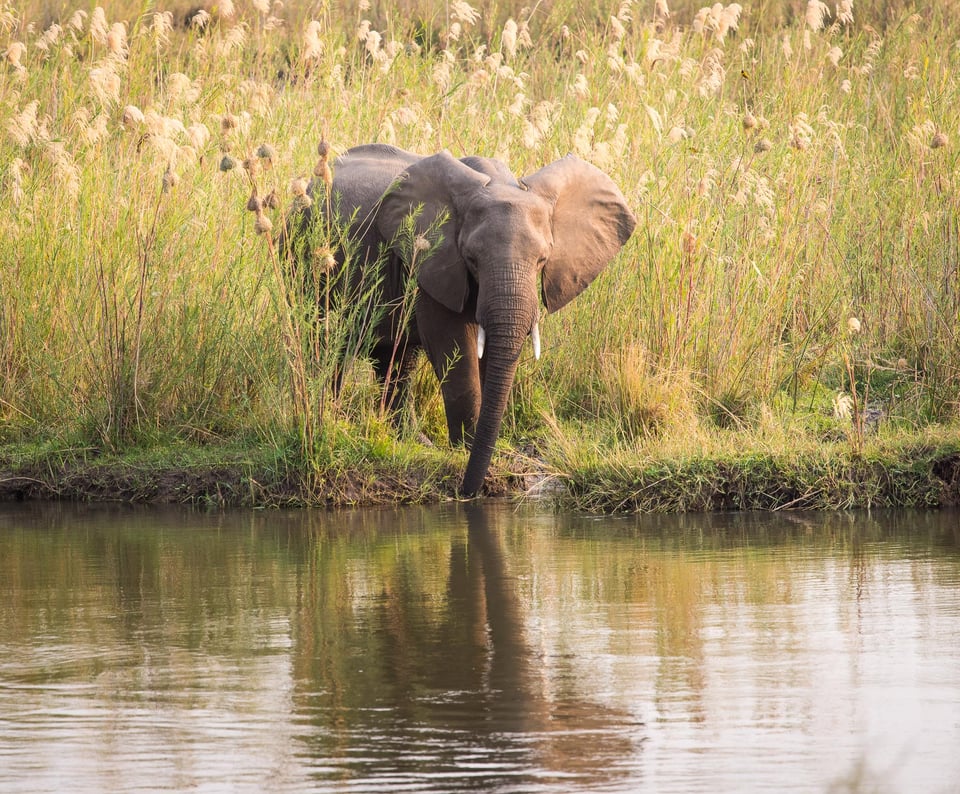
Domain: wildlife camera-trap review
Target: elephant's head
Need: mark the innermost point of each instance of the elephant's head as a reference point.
(560, 226)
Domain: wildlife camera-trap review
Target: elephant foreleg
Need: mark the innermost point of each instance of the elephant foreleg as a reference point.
(451, 346)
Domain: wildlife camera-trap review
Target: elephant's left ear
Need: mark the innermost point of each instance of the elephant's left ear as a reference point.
(591, 222)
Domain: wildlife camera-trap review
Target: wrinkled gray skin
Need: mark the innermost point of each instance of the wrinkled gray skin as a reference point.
(559, 226)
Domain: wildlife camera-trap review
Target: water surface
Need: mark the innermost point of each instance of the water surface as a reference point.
(477, 648)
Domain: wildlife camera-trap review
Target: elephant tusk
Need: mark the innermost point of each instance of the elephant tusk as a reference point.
(481, 340)
(535, 338)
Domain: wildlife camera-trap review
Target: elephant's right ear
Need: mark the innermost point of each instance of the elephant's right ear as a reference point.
(438, 186)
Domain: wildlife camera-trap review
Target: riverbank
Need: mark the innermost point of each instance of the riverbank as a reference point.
(232, 476)
(919, 471)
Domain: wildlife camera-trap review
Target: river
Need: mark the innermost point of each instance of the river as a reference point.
(477, 647)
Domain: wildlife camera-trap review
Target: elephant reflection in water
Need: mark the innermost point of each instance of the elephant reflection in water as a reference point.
(461, 689)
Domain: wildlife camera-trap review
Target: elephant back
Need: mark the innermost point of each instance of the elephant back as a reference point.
(361, 176)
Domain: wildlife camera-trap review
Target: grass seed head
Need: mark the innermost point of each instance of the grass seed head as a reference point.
(842, 406)
(228, 163)
(117, 39)
(508, 38)
(301, 202)
(15, 53)
(198, 134)
(263, 224)
(132, 117)
(324, 260)
(939, 140)
(254, 204)
(98, 25)
(170, 179)
(76, 20)
(464, 12)
(161, 26)
(16, 170)
(267, 154)
(816, 14)
(25, 126)
(200, 19)
(322, 169)
(312, 43)
(229, 122)
(105, 83)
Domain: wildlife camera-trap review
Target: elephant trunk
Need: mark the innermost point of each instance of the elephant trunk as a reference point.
(504, 342)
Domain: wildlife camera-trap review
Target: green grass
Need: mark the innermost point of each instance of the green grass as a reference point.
(786, 180)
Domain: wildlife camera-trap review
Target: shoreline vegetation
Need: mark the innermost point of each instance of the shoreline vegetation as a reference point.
(781, 332)
(914, 471)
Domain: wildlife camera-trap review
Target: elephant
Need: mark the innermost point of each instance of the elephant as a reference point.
(493, 237)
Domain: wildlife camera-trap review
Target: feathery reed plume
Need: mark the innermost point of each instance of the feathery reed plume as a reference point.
(816, 14)
(464, 12)
(16, 170)
(116, 39)
(23, 126)
(229, 122)
(50, 37)
(845, 12)
(198, 134)
(99, 27)
(161, 26)
(200, 19)
(75, 23)
(132, 117)
(170, 179)
(14, 53)
(312, 43)
(105, 83)
(508, 38)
